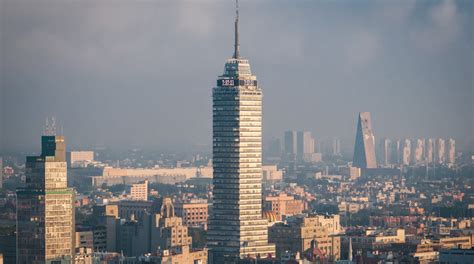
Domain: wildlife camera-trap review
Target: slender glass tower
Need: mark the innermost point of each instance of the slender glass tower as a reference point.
(236, 228)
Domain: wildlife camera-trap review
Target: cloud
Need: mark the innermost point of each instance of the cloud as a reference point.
(361, 49)
(442, 27)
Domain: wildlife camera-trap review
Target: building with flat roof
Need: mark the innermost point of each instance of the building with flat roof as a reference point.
(283, 205)
(305, 233)
(77, 159)
(194, 213)
(45, 207)
(139, 191)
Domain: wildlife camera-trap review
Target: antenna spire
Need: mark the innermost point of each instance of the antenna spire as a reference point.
(236, 37)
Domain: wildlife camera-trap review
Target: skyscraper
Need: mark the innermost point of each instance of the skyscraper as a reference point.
(396, 151)
(45, 207)
(429, 154)
(236, 227)
(419, 151)
(290, 141)
(304, 145)
(451, 151)
(406, 154)
(386, 151)
(364, 150)
(441, 151)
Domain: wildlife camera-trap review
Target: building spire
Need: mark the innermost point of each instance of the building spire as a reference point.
(236, 37)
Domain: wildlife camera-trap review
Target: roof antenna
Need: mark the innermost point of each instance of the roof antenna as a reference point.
(47, 129)
(53, 126)
(236, 37)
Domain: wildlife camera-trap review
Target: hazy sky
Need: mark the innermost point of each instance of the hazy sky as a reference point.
(140, 73)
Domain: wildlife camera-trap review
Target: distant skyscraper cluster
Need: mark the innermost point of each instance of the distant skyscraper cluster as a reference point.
(300, 146)
(394, 152)
(420, 151)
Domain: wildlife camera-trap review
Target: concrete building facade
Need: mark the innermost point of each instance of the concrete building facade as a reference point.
(45, 207)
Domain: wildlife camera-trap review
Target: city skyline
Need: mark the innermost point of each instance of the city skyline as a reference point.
(167, 166)
(137, 70)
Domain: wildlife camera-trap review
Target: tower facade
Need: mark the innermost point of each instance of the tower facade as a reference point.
(441, 151)
(385, 151)
(451, 151)
(236, 227)
(45, 208)
(430, 150)
(364, 149)
(406, 155)
(419, 152)
(290, 139)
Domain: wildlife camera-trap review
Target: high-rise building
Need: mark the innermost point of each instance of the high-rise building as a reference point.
(440, 151)
(364, 150)
(396, 151)
(304, 146)
(236, 227)
(305, 143)
(45, 207)
(429, 153)
(406, 154)
(386, 151)
(419, 153)
(290, 141)
(451, 151)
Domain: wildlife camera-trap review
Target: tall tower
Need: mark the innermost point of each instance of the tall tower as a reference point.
(441, 151)
(406, 155)
(429, 153)
(236, 227)
(385, 151)
(419, 153)
(451, 153)
(290, 141)
(364, 150)
(45, 207)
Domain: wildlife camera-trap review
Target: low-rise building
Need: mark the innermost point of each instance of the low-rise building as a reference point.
(139, 191)
(283, 205)
(303, 233)
(193, 213)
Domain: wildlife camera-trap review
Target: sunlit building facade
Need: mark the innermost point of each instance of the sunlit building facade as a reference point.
(45, 208)
(451, 151)
(236, 227)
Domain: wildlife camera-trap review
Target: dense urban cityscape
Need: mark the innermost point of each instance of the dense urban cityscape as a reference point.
(295, 198)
